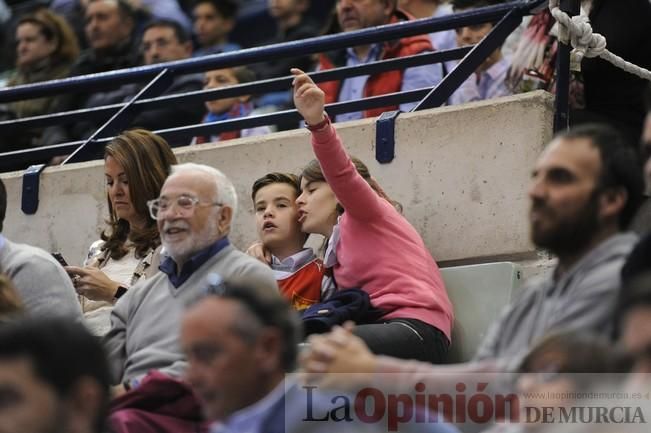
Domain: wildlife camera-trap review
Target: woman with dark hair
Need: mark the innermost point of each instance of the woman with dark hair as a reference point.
(46, 48)
(371, 246)
(136, 164)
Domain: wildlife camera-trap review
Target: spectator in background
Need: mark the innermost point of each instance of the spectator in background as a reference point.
(110, 33)
(46, 48)
(444, 40)
(73, 10)
(42, 284)
(53, 377)
(165, 41)
(10, 304)
(136, 163)
(162, 41)
(229, 108)
(585, 189)
(488, 81)
(213, 20)
(360, 14)
(292, 25)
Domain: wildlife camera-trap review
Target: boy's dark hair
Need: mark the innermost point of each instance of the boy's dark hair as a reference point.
(270, 309)
(61, 352)
(243, 74)
(3, 204)
(181, 35)
(226, 8)
(276, 177)
(620, 167)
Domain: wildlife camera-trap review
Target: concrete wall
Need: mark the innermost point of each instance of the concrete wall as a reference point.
(461, 174)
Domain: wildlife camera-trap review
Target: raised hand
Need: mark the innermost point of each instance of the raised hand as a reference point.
(308, 98)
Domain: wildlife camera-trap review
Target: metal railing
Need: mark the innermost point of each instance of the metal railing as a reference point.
(160, 76)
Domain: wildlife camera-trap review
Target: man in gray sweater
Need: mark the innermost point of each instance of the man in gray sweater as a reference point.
(194, 213)
(43, 286)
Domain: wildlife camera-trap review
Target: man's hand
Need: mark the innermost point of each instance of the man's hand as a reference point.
(308, 98)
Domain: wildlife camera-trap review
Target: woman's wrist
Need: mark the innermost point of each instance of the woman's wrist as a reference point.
(318, 125)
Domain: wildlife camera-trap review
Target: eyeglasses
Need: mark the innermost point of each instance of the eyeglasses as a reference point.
(185, 204)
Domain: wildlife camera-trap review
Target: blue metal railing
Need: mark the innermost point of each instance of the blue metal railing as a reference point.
(507, 16)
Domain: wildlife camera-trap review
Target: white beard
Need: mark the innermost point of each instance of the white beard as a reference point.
(181, 251)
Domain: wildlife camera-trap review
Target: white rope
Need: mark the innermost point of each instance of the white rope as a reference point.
(578, 32)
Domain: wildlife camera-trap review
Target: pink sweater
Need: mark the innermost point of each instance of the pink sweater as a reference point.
(378, 250)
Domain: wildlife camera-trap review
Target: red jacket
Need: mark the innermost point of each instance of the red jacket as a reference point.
(382, 83)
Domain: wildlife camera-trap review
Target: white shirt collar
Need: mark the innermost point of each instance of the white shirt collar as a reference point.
(293, 262)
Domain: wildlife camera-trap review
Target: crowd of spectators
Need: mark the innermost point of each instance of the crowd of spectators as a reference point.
(205, 343)
(199, 336)
(116, 34)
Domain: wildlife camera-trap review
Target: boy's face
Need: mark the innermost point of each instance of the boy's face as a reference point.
(276, 217)
(216, 79)
(471, 35)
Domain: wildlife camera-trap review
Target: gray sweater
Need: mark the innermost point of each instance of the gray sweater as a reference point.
(584, 298)
(146, 320)
(42, 284)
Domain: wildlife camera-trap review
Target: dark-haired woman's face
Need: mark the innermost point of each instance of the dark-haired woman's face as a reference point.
(317, 207)
(31, 45)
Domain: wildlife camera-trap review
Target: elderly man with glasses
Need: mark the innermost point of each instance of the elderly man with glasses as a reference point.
(194, 214)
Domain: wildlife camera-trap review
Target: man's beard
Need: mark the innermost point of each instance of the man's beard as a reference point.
(571, 235)
(181, 252)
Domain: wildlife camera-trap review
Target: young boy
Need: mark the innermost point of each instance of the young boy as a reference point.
(229, 108)
(299, 273)
(488, 81)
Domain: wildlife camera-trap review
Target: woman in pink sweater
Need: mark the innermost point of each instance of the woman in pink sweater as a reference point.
(371, 246)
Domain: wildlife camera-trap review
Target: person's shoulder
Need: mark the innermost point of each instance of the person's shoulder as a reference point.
(233, 264)
(28, 253)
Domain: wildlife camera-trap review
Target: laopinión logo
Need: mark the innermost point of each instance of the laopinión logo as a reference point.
(371, 405)
(470, 401)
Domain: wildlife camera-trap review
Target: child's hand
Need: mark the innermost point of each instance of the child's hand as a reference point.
(308, 98)
(258, 251)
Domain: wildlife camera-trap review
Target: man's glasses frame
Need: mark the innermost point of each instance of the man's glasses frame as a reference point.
(186, 203)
